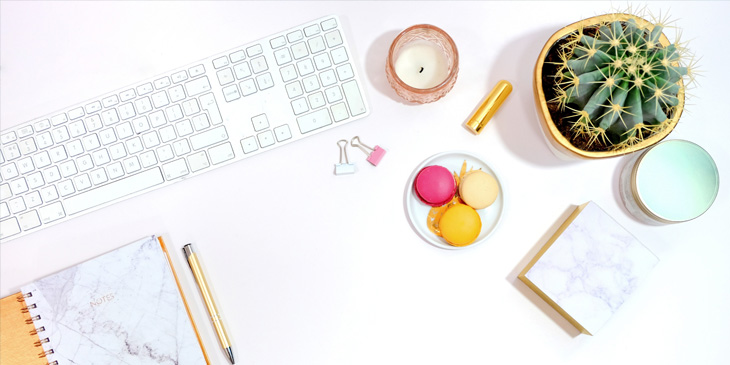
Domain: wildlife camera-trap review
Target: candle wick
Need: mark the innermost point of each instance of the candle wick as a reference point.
(421, 70)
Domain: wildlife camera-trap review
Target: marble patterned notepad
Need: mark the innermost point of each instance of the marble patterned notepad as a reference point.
(589, 267)
(123, 307)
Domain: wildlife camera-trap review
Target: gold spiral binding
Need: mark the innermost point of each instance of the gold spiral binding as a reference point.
(27, 309)
(41, 342)
(35, 331)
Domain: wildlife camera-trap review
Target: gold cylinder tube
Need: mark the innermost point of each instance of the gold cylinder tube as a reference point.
(491, 104)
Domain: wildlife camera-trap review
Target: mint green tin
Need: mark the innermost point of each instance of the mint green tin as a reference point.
(674, 181)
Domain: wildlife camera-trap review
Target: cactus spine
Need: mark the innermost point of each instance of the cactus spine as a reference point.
(619, 84)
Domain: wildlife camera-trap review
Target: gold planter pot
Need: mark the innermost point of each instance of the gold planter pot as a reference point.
(560, 145)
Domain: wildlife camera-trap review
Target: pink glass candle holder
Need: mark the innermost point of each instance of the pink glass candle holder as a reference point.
(422, 64)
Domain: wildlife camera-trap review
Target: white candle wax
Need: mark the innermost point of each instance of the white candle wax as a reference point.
(421, 65)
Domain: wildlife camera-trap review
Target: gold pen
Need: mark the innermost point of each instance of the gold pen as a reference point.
(208, 299)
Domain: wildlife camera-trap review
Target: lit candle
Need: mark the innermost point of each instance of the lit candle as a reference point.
(422, 65)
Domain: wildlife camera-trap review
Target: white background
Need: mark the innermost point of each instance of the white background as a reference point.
(312, 268)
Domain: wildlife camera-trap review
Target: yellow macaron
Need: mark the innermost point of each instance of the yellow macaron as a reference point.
(478, 189)
(460, 225)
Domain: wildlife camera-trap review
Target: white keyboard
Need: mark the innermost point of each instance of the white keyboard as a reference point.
(190, 120)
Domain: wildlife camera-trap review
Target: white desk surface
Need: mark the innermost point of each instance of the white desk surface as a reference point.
(312, 268)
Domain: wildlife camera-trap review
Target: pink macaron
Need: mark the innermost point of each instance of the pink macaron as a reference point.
(435, 185)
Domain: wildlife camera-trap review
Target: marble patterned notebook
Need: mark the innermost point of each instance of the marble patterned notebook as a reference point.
(123, 307)
(589, 268)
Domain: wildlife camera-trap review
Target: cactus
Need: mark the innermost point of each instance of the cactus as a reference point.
(619, 84)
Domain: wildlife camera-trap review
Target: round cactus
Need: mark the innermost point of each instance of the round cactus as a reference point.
(618, 82)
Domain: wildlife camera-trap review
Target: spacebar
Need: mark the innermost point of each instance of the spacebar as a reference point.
(115, 190)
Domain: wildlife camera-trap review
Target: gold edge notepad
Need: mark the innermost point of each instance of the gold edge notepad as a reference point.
(124, 306)
(544, 248)
(19, 342)
(588, 268)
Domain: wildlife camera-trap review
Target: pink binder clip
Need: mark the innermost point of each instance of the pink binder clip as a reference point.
(374, 155)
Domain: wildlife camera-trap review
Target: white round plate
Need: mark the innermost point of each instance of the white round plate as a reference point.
(417, 211)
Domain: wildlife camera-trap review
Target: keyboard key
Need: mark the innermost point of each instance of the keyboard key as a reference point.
(329, 24)
(179, 76)
(197, 86)
(157, 118)
(305, 67)
(173, 113)
(353, 97)
(98, 176)
(57, 153)
(225, 76)
(339, 55)
(167, 134)
(65, 188)
(101, 157)
(315, 120)
(231, 93)
(209, 138)
(339, 112)
(11, 152)
(282, 132)
(42, 140)
(49, 193)
(184, 128)
(316, 100)
(4, 210)
(124, 130)
(25, 131)
(333, 38)
(107, 136)
(259, 64)
(316, 44)
(143, 105)
(35, 180)
(221, 153)
(288, 73)
(299, 50)
(345, 72)
(333, 94)
(126, 111)
(27, 146)
(113, 191)
(254, 50)
(198, 161)
(82, 182)
(196, 71)
(294, 89)
(249, 144)
(131, 165)
(5, 191)
(59, 119)
(51, 212)
(117, 151)
(294, 36)
(42, 125)
(181, 147)
(8, 137)
(127, 95)
(237, 56)
(242, 70)
(134, 145)
(322, 61)
(91, 142)
(150, 139)
(110, 100)
(75, 113)
(60, 134)
(148, 159)
(208, 103)
(311, 30)
(310, 83)
(260, 122)
(9, 227)
(16, 205)
(176, 93)
(18, 186)
(175, 169)
(162, 83)
(299, 106)
(52, 174)
(93, 123)
(109, 116)
(248, 87)
(165, 153)
(190, 107)
(265, 81)
(200, 122)
(29, 220)
(84, 163)
(282, 56)
(93, 107)
(68, 168)
(266, 139)
(220, 62)
(115, 170)
(144, 89)
(277, 42)
(76, 128)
